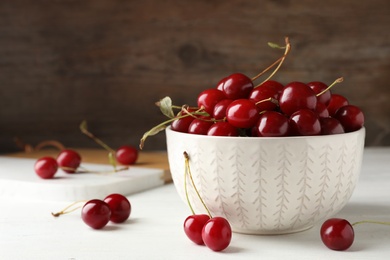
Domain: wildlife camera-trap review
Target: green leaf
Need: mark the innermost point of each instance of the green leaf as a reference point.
(275, 45)
(165, 105)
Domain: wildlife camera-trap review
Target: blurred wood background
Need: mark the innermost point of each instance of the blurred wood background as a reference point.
(107, 61)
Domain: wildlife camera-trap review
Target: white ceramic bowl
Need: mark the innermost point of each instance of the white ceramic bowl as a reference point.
(268, 185)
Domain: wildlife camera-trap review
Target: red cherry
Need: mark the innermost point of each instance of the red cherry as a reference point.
(69, 160)
(46, 167)
(336, 101)
(193, 226)
(220, 109)
(295, 96)
(272, 124)
(126, 155)
(331, 126)
(208, 98)
(319, 87)
(322, 110)
(305, 122)
(96, 213)
(337, 234)
(264, 92)
(182, 124)
(236, 86)
(222, 129)
(199, 126)
(120, 207)
(217, 233)
(242, 113)
(351, 117)
(272, 84)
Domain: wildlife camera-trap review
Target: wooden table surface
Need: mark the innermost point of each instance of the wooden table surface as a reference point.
(156, 159)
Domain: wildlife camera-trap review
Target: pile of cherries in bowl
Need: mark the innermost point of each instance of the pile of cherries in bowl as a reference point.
(236, 107)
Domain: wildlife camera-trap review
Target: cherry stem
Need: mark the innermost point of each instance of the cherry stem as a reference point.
(339, 80)
(280, 61)
(188, 172)
(271, 99)
(156, 129)
(84, 130)
(372, 222)
(68, 209)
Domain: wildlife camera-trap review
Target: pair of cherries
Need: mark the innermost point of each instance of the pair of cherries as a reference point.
(97, 213)
(203, 229)
(69, 161)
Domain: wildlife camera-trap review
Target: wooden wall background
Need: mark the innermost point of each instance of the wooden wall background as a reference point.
(107, 61)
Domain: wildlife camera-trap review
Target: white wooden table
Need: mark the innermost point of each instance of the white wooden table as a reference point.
(154, 230)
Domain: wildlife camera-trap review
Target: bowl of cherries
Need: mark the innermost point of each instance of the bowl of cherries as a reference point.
(270, 158)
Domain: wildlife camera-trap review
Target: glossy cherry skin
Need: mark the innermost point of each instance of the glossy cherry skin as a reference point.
(331, 126)
(336, 101)
(120, 207)
(217, 234)
(304, 122)
(261, 93)
(193, 226)
(236, 86)
(322, 110)
(220, 109)
(295, 96)
(69, 159)
(272, 84)
(46, 167)
(337, 234)
(351, 117)
(272, 124)
(182, 124)
(96, 213)
(200, 126)
(126, 155)
(209, 98)
(318, 87)
(242, 113)
(222, 129)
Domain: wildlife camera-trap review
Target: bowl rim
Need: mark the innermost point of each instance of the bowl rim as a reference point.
(169, 130)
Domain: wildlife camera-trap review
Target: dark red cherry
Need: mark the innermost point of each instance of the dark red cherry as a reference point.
(261, 93)
(193, 226)
(242, 113)
(126, 155)
(304, 122)
(182, 123)
(330, 126)
(272, 84)
(319, 87)
(120, 207)
(272, 124)
(222, 128)
(69, 160)
(351, 117)
(322, 110)
(236, 86)
(46, 167)
(217, 234)
(295, 96)
(96, 213)
(336, 101)
(337, 234)
(200, 126)
(208, 98)
(220, 109)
